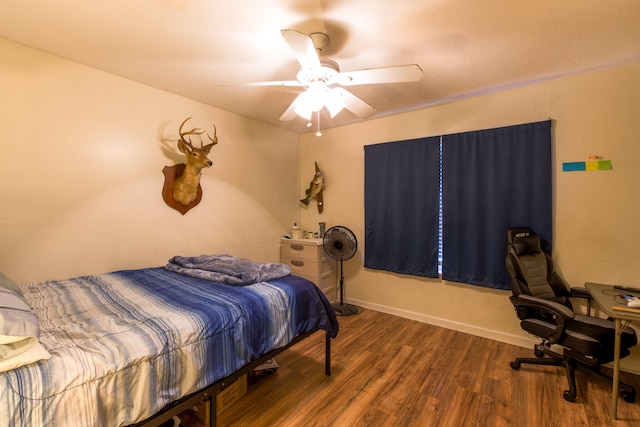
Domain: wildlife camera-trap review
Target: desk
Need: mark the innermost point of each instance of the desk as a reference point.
(605, 295)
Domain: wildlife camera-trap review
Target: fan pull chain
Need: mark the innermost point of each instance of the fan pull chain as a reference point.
(318, 133)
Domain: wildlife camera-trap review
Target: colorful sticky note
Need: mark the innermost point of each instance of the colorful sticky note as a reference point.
(591, 165)
(573, 166)
(604, 165)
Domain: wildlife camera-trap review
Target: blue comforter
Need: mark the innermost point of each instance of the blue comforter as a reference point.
(125, 344)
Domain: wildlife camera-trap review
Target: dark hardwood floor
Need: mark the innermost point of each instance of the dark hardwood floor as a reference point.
(390, 371)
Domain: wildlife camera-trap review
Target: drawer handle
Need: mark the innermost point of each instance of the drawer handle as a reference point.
(297, 246)
(297, 263)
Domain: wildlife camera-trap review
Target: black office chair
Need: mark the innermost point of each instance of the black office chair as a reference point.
(541, 301)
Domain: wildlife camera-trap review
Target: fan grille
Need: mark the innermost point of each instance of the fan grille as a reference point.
(340, 243)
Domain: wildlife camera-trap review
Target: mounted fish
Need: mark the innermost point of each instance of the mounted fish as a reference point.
(315, 189)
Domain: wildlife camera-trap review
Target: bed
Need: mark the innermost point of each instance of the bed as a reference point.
(135, 347)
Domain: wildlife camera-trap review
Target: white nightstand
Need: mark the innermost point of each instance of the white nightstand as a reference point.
(307, 259)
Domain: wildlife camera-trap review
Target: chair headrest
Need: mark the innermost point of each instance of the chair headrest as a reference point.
(524, 241)
(527, 245)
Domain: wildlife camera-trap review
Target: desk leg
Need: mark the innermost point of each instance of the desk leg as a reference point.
(616, 370)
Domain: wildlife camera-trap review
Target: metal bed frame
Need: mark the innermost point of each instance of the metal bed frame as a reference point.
(208, 394)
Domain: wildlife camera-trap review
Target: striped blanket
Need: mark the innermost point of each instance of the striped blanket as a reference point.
(125, 344)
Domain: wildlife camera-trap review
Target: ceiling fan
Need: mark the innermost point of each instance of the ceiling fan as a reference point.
(323, 80)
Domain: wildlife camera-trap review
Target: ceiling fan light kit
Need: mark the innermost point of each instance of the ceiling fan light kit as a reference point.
(318, 75)
(316, 98)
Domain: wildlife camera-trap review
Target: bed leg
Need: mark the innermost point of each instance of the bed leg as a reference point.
(213, 411)
(327, 355)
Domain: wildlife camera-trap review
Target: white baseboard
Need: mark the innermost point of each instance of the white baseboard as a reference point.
(449, 324)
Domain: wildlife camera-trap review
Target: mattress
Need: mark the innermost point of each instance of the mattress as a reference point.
(125, 344)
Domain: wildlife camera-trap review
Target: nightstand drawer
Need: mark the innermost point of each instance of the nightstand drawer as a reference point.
(307, 259)
(302, 267)
(298, 250)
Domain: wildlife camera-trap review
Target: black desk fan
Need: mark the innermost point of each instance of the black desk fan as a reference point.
(341, 244)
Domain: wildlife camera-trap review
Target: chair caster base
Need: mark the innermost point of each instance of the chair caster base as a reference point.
(569, 396)
(628, 396)
(539, 350)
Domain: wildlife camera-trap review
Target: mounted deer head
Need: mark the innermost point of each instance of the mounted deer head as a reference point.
(185, 187)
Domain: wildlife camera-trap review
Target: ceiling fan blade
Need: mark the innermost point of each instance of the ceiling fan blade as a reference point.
(399, 74)
(356, 105)
(303, 48)
(290, 113)
(276, 83)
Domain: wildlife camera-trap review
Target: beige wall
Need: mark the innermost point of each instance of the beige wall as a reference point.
(596, 232)
(81, 180)
(81, 174)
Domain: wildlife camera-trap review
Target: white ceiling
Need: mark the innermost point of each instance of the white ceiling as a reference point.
(207, 50)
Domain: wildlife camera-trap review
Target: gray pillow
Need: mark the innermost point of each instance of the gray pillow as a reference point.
(7, 283)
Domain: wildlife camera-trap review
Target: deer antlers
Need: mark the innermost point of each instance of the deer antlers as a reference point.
(196, 131)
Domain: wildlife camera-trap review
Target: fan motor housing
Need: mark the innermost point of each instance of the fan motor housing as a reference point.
(327, 73)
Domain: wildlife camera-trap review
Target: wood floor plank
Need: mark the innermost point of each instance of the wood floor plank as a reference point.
(390, 371)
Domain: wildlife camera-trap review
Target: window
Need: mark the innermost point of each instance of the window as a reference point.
(452, 198)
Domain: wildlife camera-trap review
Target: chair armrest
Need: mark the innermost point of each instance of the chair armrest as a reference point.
(550, 306)
(559, 314)
(580, 293)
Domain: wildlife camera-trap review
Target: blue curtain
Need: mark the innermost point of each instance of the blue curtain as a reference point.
(401, 192)
(492, 180)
